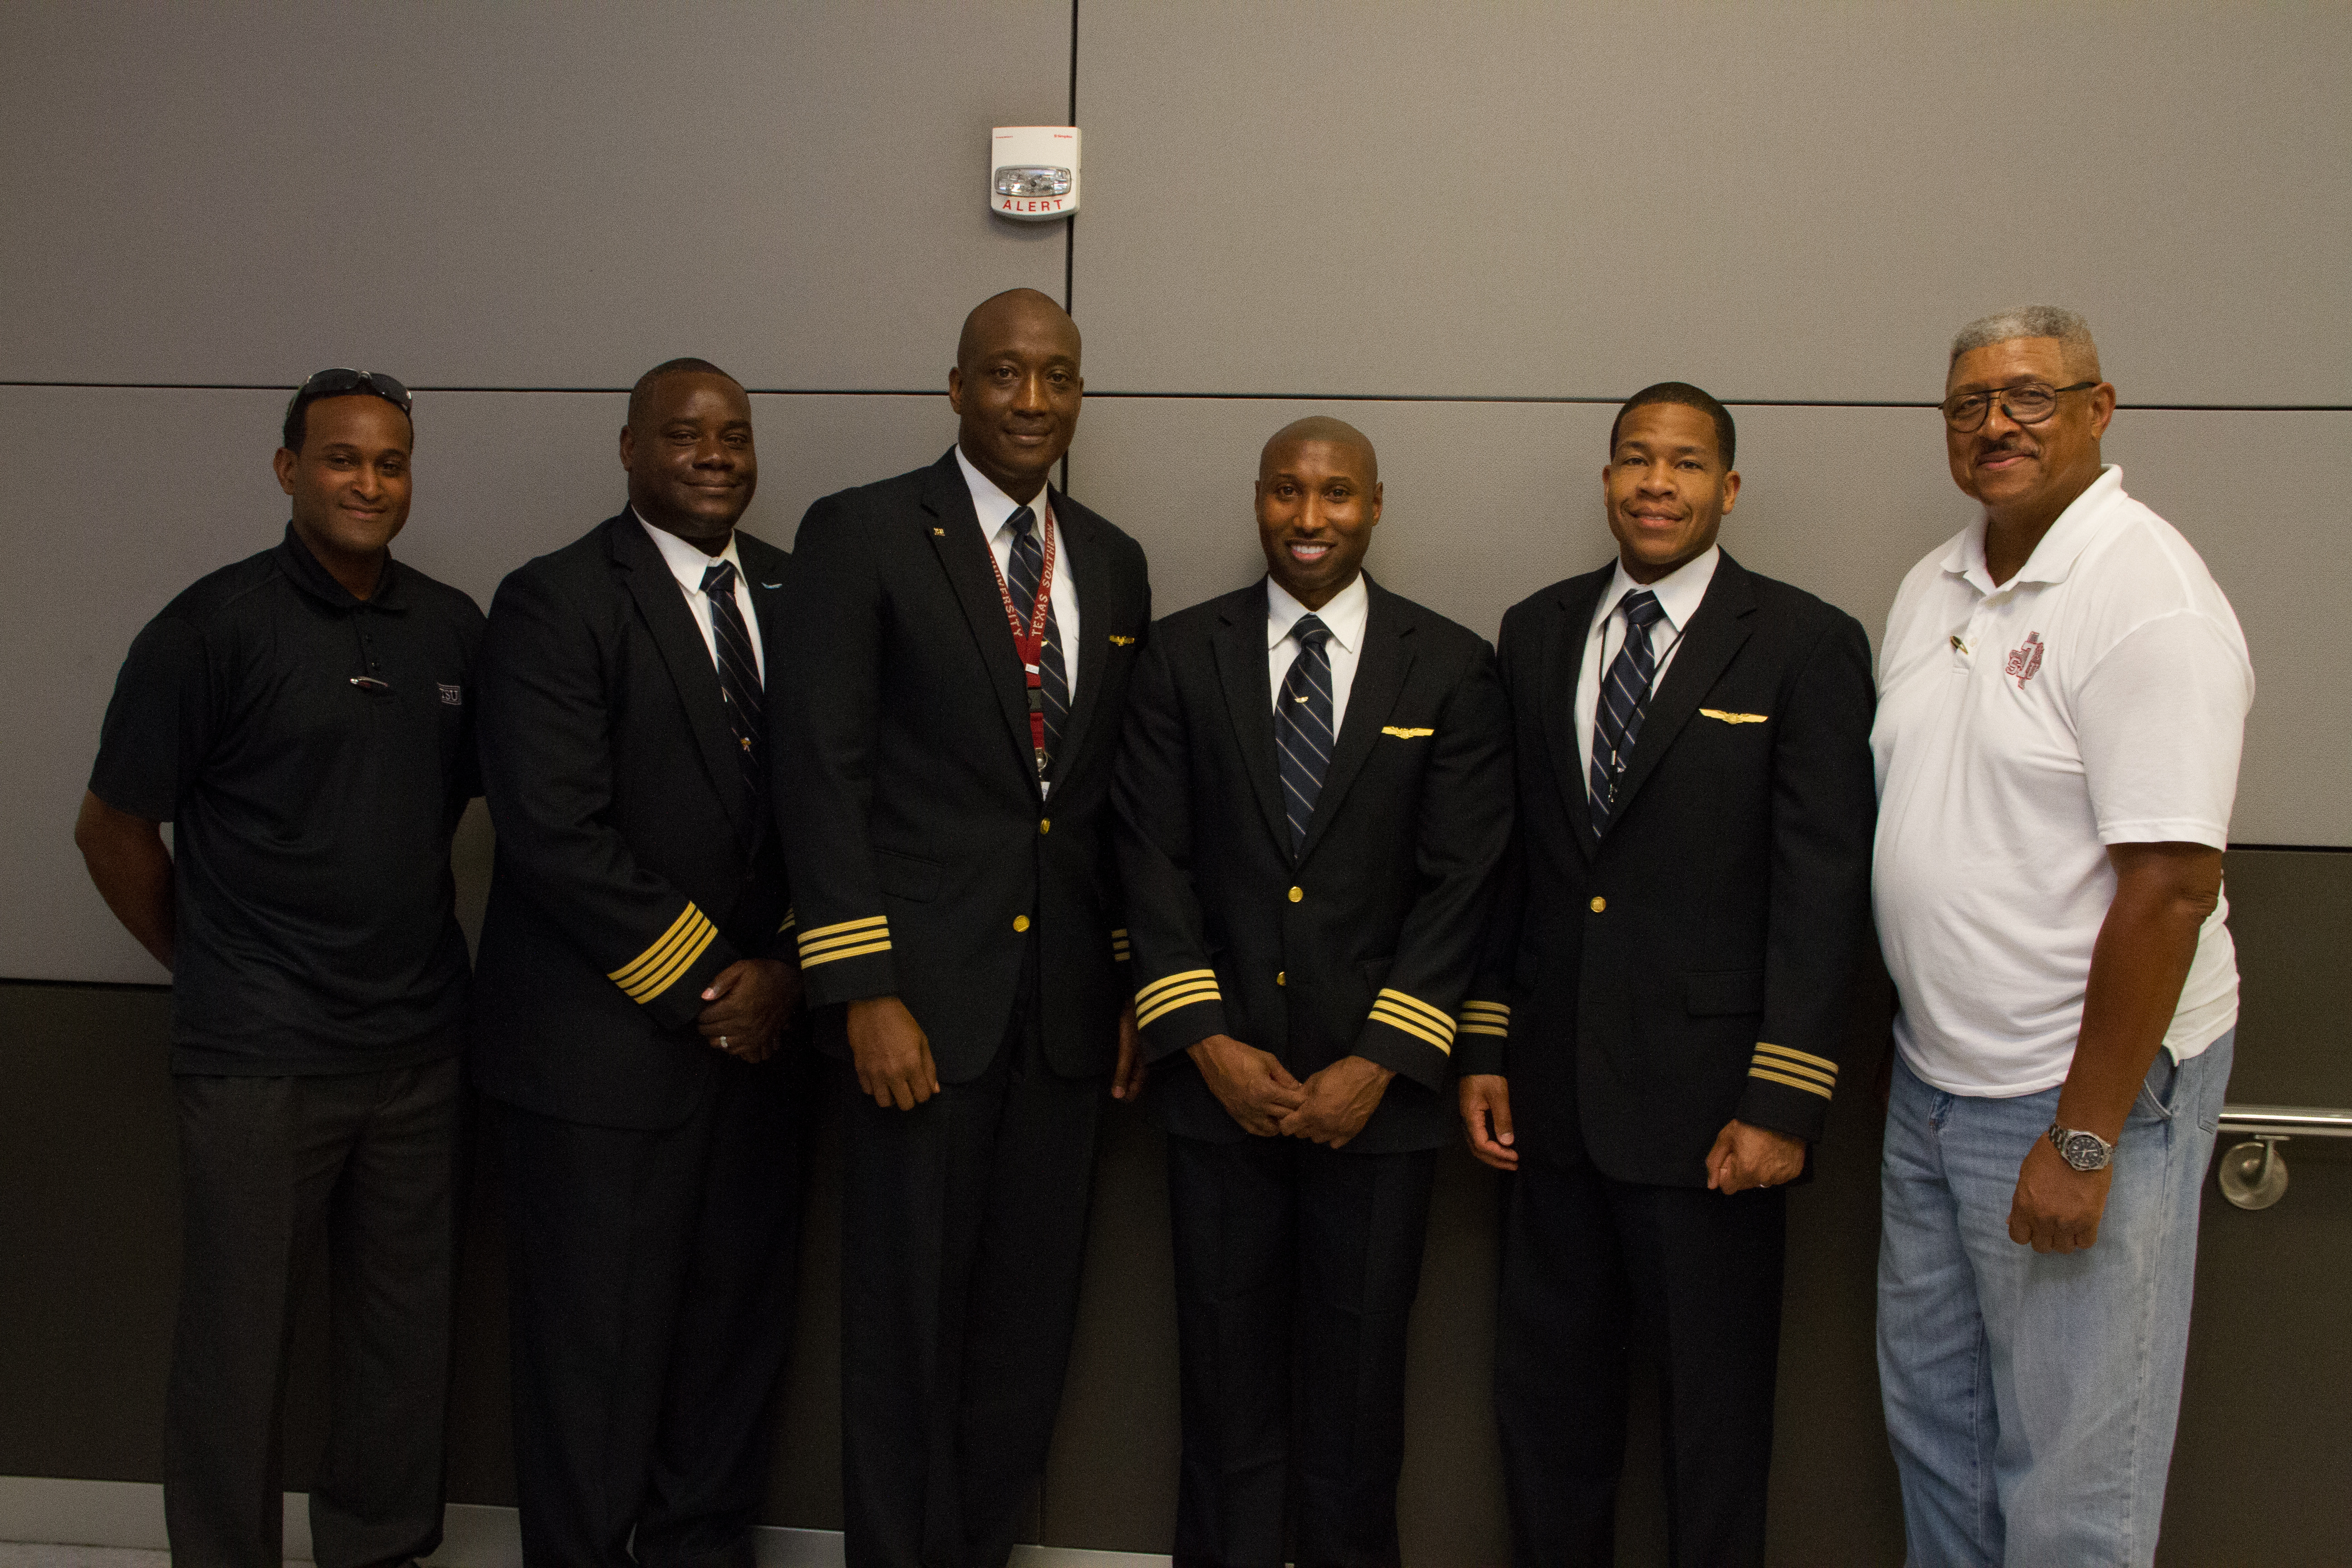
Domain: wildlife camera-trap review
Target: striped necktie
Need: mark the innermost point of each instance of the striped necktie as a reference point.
(1625, 694)
(1302, 726)
(739, 673)
(1028, 562)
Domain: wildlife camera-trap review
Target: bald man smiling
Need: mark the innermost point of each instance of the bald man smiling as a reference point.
(1313, 797)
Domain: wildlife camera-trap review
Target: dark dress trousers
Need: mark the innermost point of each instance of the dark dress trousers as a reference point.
(1296, 1265)
(1642, 988)
(653, 1184)
(927, 864)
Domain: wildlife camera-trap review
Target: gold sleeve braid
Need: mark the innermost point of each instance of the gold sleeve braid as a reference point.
(1170, 991)
(846, 938)
(1415, 1018)
(661, 965)
(1798, 1069)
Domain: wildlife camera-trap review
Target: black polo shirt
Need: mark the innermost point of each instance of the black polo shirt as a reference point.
(312, 816)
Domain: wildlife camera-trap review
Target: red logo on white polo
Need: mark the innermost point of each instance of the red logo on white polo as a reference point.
(2025, 662)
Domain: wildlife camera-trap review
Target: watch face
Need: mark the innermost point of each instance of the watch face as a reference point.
(2083, 1151)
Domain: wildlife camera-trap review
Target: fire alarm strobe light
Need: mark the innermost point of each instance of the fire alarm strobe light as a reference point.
(1034, 172)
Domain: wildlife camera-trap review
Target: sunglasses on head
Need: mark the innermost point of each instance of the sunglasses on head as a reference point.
(341, 381)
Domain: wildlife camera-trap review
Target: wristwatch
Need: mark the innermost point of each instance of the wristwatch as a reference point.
(2084, 1150)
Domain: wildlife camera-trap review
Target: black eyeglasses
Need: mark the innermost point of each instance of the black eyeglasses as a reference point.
(341, 381)
(2028, 404)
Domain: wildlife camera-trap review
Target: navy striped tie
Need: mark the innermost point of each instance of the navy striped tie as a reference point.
(1302, 726)
(1625, 694)
(1028, 562)
(739, 673)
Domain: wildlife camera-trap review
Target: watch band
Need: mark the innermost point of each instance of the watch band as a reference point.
(2085, 1152)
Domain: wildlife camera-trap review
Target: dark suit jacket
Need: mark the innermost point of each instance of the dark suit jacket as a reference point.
(918, 835)
(1365, 941)
(633, 864)
(1693, 966)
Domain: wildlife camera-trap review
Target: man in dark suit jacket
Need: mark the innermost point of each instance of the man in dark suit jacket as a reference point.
(958, 917)
(1309, 854)
(1660, 1015)
(634, 987)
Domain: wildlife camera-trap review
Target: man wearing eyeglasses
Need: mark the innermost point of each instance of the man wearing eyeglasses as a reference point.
(304, 720)
(2062, 693)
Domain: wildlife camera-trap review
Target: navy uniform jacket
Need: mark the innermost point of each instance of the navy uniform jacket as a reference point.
(633, 866)
(1694, 965)
(925, 860)
(1363, 943)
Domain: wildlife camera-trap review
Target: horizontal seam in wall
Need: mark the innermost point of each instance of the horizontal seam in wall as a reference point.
(1194, 396)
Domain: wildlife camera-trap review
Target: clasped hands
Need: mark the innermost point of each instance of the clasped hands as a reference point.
(746, 1005)
(1258, 1091)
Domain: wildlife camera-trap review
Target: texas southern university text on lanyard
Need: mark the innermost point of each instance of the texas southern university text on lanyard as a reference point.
(1030, 644)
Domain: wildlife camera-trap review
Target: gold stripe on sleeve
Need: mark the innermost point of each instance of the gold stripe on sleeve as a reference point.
(1175, 1000)
(1769, 1076)
(1827, 1080)
(1792, 1057)
(881, 943)
(812, 944)
(1144, 995)
(1486, 1018)
(647, 982)
(1414, 1006)
(681, 930)
(1396, 1017)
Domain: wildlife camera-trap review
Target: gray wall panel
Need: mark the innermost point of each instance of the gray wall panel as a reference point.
(1488, 502)
(516, 195)
(500, 478)
(1775, 201)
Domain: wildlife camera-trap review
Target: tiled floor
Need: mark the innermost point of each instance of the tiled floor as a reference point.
(13, 1555)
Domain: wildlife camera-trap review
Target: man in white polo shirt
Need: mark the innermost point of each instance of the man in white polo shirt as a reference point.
(2062, 693)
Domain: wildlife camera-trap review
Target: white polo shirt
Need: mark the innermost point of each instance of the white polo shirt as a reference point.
(2098, 698)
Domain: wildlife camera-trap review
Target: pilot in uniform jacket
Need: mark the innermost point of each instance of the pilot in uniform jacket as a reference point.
(653, 1182)
(1363, 943)
(1643, 987)
(928, 863)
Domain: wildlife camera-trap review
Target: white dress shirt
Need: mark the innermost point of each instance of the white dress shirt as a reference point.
(995, 509)
(687, 562)
(1345, 614)
(1679, 593)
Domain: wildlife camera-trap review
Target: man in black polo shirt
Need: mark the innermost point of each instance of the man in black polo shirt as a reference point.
(304, 718)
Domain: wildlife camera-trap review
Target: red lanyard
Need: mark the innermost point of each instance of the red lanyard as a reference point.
(1030, 644)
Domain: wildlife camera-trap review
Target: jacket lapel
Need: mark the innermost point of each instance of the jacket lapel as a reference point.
(1716, 634)
(1249, 699)
(964, 555)
(1558, 670)
(1090, 576)
(688, 659)
(1380, 680)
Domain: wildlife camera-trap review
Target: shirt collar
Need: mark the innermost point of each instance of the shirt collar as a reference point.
(687, 562)
(303, 570)
(1345, 614)
(992, 505)
(1679, 591)
(2085, 518)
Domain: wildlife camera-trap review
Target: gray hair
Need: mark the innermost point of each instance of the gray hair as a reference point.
(2073, 332)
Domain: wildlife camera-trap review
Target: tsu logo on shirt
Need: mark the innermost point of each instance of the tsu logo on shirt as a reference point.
(456, 697)
(2025, 662)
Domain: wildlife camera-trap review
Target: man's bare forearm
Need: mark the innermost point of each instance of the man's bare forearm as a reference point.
(2163, 894)
(132, 872)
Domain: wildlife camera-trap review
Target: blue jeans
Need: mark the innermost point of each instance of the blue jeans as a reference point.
(2031, 1398)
